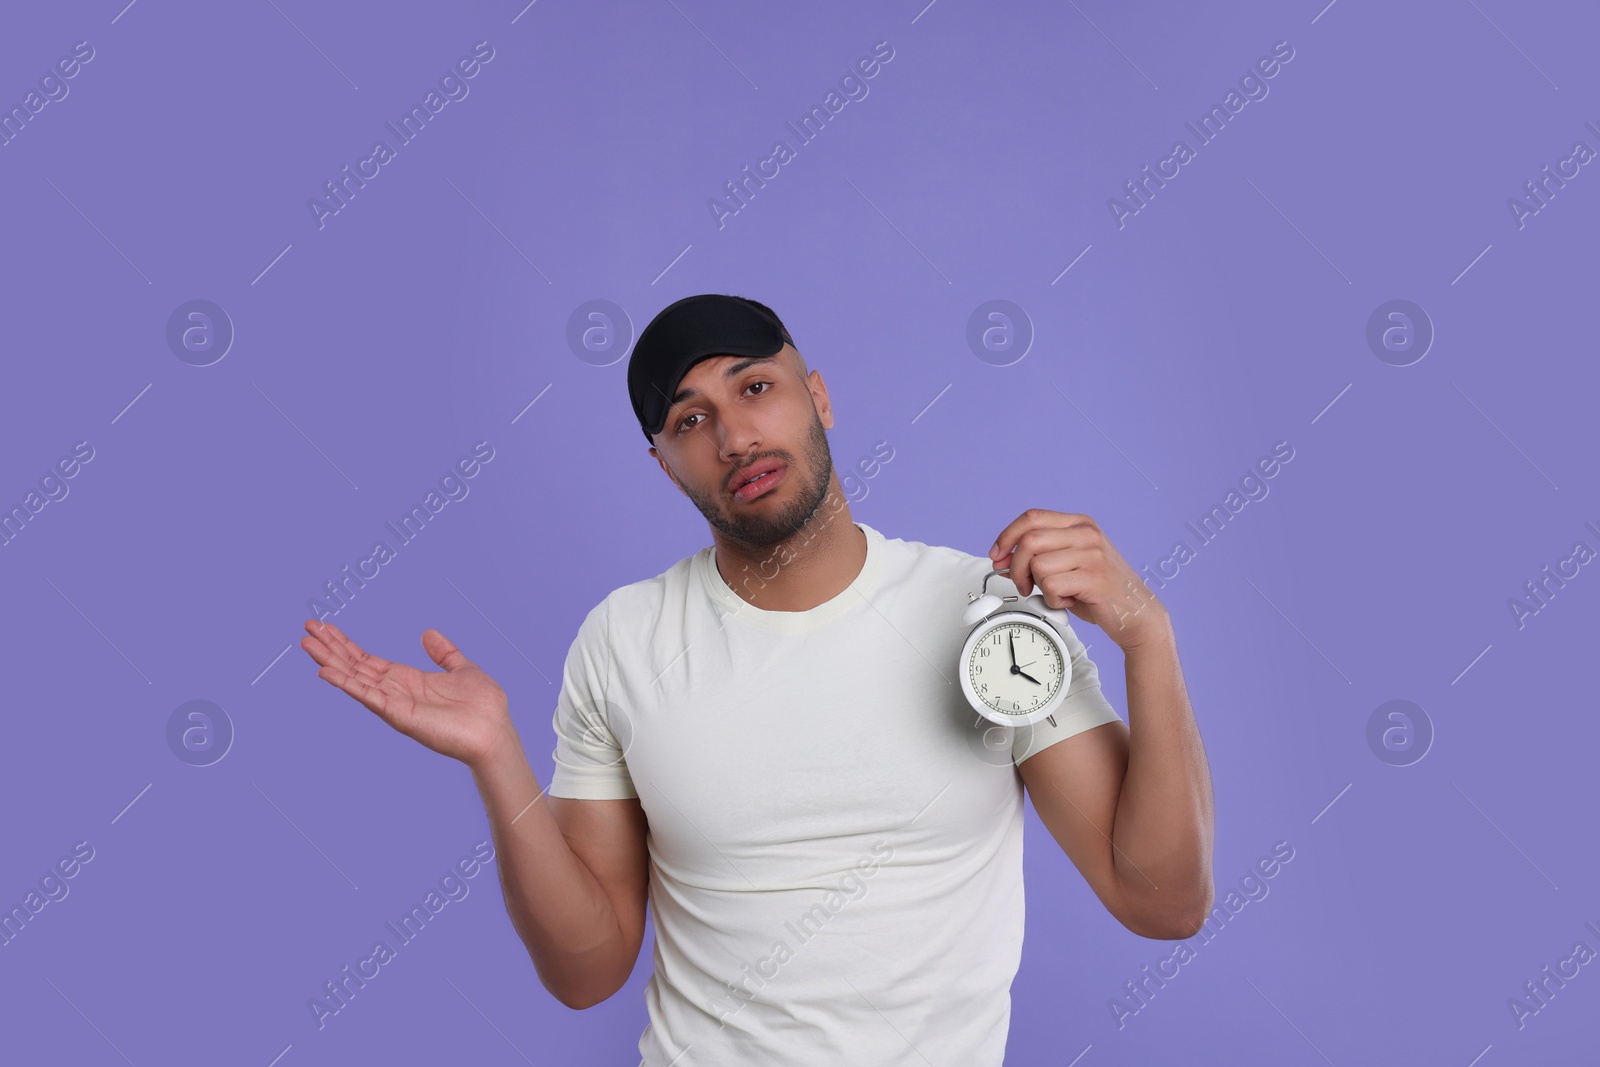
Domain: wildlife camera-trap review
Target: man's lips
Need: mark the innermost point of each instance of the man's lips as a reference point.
(768, 473)
(754, 471)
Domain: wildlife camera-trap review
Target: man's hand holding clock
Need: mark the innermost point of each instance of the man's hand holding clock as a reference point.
(1130, 802)
(1074, 566)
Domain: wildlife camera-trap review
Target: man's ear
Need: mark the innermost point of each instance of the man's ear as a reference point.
(659, 458)
(819, 397)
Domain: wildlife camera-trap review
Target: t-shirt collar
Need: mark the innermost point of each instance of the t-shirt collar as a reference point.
(728, 603)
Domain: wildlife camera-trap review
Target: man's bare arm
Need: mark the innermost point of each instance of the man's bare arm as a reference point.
(1129, 803)
(1131, 807)
(573, 872)
(575, 878)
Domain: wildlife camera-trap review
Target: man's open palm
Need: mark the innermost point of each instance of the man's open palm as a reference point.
(459, 712)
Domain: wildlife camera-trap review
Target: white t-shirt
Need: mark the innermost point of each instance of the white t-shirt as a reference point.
(835, 834)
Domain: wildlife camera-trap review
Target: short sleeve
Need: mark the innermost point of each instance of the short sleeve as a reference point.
(592, 734)
(1083, 708)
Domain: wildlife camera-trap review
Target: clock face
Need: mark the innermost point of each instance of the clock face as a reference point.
(1015, 668)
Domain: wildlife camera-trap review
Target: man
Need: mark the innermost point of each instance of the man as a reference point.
(768, 742)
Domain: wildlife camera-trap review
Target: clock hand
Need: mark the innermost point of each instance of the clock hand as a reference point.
(1030, 678)
(1013, 636)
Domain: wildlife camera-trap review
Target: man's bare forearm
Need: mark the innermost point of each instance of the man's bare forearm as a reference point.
(1163, 824)
(558, 908)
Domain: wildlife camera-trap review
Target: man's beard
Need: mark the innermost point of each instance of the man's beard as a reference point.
(744, 526)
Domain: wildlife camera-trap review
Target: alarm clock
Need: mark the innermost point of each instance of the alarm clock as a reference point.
(1015, 667)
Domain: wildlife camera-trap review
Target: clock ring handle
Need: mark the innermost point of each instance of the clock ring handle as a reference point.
(980, 606)
(985, 587)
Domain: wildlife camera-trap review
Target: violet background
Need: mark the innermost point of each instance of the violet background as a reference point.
(1229, 314)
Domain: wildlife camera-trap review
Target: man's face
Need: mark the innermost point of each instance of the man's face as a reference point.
(732, 411)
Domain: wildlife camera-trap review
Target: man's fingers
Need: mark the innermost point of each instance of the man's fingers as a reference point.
(325, 647)
(368, 694)
(1033, 518)
(316, 650)
(344, 651)
(1066, 574)
(337, 641)
(324, 650)
(327, 657)
(1032, 544)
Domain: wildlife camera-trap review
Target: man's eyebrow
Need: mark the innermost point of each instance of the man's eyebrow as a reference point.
(687, 393)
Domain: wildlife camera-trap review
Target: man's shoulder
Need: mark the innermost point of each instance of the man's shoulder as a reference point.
(642, 601)
(923, 554)
(919, 574)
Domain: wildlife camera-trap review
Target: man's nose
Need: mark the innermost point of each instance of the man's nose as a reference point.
(738, 435)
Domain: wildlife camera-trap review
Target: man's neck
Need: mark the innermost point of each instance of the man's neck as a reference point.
(811, 567)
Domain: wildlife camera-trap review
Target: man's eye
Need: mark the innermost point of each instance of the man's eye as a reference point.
(683, 424)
